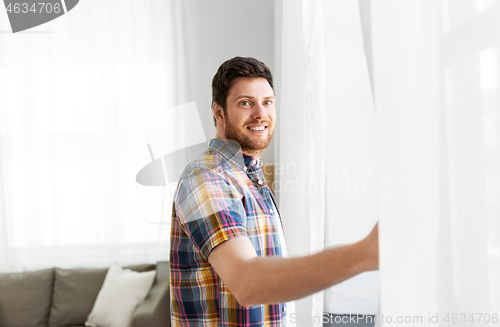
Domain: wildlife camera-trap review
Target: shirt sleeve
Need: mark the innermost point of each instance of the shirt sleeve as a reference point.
(209, 209)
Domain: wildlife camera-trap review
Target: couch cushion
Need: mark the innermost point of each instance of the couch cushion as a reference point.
(123, 290)
(25, 298)
(75, 291)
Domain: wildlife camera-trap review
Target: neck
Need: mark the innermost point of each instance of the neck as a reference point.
(249, 152)
(252, 153)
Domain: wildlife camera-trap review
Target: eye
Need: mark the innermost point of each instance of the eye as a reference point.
(245, 103)
(268, 102)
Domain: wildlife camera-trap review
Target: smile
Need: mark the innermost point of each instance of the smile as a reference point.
(257, 128)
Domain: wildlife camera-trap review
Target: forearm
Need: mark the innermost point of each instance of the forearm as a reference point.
(266, 280)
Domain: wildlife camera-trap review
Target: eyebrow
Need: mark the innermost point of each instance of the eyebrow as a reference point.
(251, 97)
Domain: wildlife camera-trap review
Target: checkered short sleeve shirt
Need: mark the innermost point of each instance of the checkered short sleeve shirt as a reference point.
(220, 195)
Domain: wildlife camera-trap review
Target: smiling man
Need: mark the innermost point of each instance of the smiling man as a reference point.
(228, 264)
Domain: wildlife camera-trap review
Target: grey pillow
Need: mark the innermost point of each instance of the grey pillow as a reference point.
(75, 291)
(25, 298)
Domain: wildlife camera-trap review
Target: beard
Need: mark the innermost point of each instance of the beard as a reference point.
(247, 144)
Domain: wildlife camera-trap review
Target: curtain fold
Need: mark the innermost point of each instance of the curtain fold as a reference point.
(437, 90)
(407, 88)
(351, 153)
(293, 142)
(326, 174)
(314, 73)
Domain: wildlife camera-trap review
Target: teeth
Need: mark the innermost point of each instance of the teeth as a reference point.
(258, 128)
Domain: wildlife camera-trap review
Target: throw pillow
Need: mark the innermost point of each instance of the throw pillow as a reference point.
(123, 290)
(75, 292)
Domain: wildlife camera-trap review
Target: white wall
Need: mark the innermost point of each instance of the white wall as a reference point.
(219, 30)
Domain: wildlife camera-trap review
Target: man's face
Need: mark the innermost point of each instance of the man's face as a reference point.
(250, 113)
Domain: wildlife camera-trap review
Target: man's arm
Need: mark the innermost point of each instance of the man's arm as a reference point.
(264, 280)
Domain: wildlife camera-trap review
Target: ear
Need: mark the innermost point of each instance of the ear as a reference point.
(218, 113)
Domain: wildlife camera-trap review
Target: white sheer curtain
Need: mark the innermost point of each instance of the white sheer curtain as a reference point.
(351, 156)
(326, 163)
(296, 127)
(72, 92)
(437, 91)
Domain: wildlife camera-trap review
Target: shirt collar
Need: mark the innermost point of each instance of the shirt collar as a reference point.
(231, 150)
(251, 161)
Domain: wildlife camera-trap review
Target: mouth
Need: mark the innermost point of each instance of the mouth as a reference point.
(257, 129)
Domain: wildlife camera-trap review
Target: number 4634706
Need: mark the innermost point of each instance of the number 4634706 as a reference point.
(40, 7)
(471, 318)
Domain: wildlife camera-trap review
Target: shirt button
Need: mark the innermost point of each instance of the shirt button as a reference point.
(260, 182)
(254, 162)
(271, 211)
(245, 168)
(278, 242)
(284, 308)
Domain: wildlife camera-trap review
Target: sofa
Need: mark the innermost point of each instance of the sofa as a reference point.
(64, 297)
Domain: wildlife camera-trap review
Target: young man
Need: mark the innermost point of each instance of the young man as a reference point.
(226, 261)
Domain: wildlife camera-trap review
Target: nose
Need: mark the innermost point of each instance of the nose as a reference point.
(259, 112)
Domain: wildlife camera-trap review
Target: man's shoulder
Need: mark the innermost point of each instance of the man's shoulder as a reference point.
(209, 160)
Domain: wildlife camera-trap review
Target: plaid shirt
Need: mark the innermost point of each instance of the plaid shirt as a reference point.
(220, 195)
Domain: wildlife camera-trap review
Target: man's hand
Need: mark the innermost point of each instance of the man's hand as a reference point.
(371, 249)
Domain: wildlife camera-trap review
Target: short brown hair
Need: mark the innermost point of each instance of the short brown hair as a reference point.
(230, 71)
